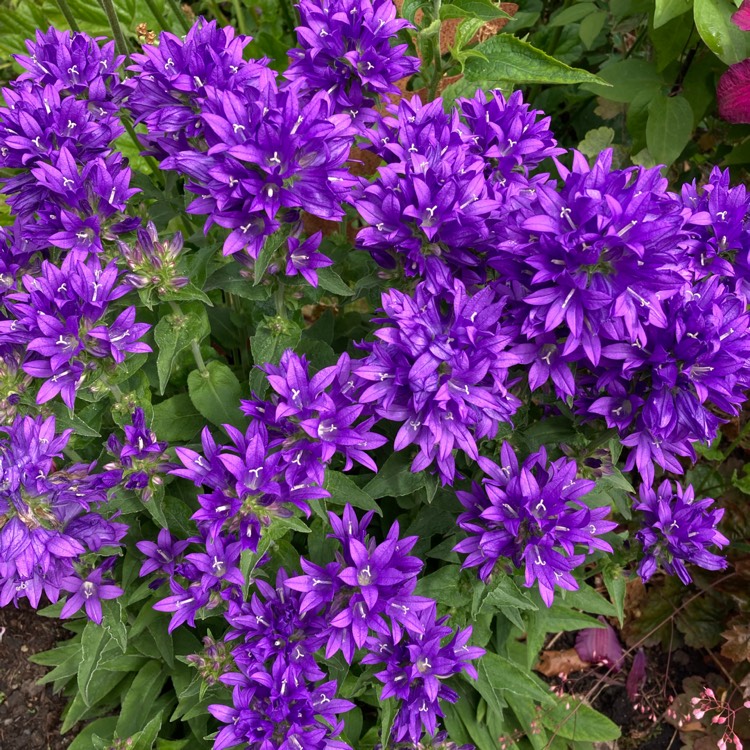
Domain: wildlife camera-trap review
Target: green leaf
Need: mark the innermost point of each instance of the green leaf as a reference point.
(579, 722)
(140, 697)
(465, 32)
(173, 334)
(176, 419)
(268, 344)
(387, 715)
(234, 279)
(332, 282)
(395, 478)
(615, 583)
(591, 26)
(572, 14)
(510, 59)
(445, 586)
(596, 141)
(503, 595)
(489, 686)
(669, 127)
(102, 727)
(666, 10)
(713, 19)
(484, 10)
(499, 670)
(588, 599)
(215, 393)
(270, 246)
(93, 642)
(113, 621)
(626, 79)
(145, 739)
(343, 490)
(66, 419)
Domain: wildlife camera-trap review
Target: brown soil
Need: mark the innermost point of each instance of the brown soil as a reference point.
(29, 713)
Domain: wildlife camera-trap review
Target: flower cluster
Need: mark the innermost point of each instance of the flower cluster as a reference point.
(345, 49)
(50, 529)
(59, 320)
(532, 515)
(678, 529)
(441, 370)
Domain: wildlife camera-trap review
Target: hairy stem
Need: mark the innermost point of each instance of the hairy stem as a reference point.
(121, 43)
(69, 17)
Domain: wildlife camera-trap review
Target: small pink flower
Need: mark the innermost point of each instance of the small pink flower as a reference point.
(733, 93)
(742, 17)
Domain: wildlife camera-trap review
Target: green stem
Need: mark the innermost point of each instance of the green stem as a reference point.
(69, 17)
(279, 299)
(121, 44)
(73, 455)
(217, 14)
(158, 15)
(180, 15)
(239, 13)
(152, 163)
(194, 345)
(116, 392)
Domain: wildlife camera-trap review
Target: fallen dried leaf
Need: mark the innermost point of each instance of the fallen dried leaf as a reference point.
(560, 663)
(737, 646)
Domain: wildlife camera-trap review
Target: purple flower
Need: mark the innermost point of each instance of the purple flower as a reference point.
(676, 530)
(345, 48)
(533, 515)
(75, 61)
(416, 668)
(161, 555)
(154, 263)
(185, 603)
(440, 369)
(369, 582)
(47, 515)
(88, 592)
(304, 258)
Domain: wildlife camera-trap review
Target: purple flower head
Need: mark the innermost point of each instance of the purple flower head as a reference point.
(185, 603)
(47, 516)
(369, 582)
(315, 417)
(345, 48)
(533, 515)
(304, 258)
(247, 482)
(677, 530)
(268, 149)
(507, 133)
(274, 709)
(429, 206)
(273, 624)
(416, 668)
(77, 63)
(441, 369)
(56, 318)
(168, 89)
(162, 555)
(153, 262)
(88, 592)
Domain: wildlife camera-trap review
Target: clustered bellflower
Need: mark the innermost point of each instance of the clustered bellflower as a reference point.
(678, 529)
(533, 515)
(51, 527)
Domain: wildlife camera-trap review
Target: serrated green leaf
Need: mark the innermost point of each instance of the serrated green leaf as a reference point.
(270, 341)
(329, 280)
(574, 720)
(395, 478)
(615, 582)
(93, 642)
(510, 59)
(113, 621)
(484, 10)
(235, 279)
(501, 670)
(140, 697)
(343, 490)
(174, 334)
(587, 599)
(669, 127)
(270, 245)
(145, 739)
(66, 419)
(216, 393)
